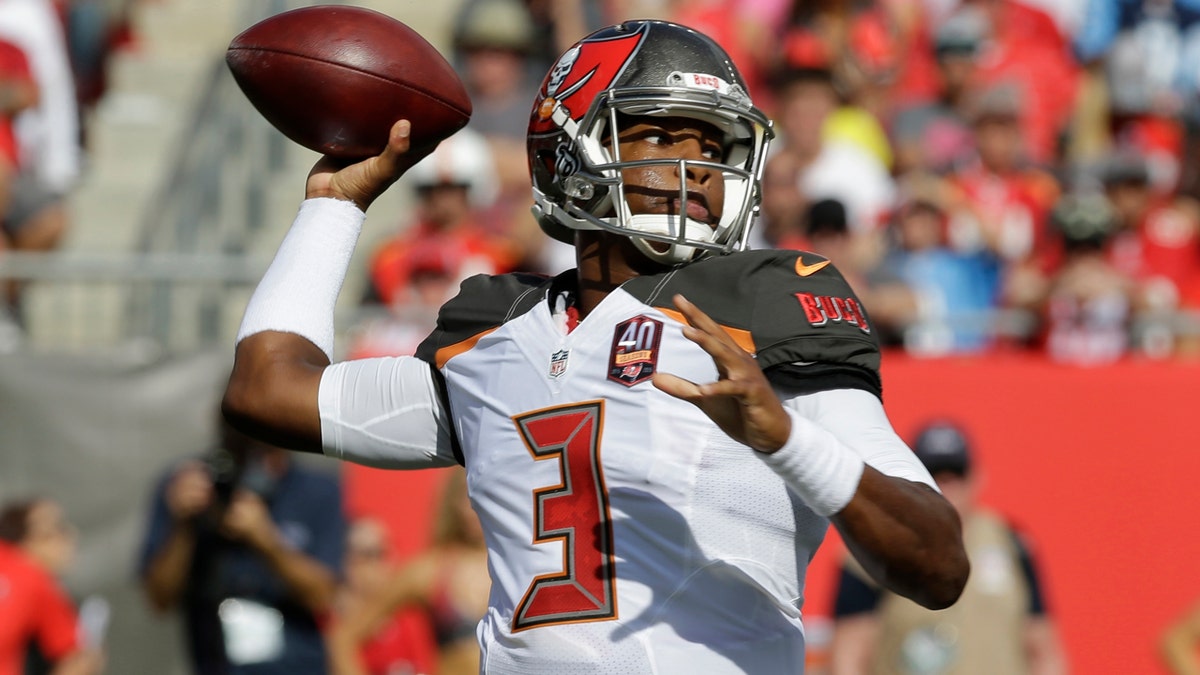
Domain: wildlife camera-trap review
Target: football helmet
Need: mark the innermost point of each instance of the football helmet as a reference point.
(642, 68)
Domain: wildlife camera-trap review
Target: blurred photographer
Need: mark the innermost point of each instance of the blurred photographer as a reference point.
(248, 545)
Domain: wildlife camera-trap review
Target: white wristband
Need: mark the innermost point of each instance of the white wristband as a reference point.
(298, 292)
(817, 466)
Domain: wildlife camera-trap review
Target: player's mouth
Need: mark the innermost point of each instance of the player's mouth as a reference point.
(696, 208)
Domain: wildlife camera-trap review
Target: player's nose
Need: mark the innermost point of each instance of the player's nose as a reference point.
(691, 152)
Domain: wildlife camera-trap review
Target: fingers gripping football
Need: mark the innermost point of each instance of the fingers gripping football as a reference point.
(364, 181)
(741, 402)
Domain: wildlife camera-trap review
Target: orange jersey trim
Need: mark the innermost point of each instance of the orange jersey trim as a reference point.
(743, 338)
(450, 351)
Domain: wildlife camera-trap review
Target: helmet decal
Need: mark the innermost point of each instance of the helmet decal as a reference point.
(580, 75)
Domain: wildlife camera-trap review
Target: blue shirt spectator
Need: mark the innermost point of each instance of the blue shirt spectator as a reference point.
(250, 550)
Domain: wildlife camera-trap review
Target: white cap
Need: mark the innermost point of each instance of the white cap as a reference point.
(463, 159)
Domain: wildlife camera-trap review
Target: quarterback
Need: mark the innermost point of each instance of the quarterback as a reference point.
(656, 441)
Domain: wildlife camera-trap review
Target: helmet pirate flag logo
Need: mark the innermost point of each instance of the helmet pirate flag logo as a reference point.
(580, 75)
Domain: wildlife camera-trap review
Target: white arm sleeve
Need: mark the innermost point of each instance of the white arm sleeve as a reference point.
(856, 419)
(385, 413)
(834, 434)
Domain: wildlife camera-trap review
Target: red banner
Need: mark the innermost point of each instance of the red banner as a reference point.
(1099, 465)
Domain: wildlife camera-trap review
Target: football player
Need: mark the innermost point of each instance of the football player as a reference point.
(655, 441)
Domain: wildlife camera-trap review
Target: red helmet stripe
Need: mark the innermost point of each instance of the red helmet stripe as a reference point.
(580, 76)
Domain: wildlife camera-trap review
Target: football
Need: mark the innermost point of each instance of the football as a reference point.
(335, 78)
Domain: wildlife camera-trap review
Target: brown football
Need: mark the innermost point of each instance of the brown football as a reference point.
(335, 78)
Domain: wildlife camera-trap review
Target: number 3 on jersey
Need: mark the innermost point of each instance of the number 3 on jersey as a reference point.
(574, 512)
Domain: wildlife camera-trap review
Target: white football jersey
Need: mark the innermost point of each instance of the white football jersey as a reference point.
(626, 532)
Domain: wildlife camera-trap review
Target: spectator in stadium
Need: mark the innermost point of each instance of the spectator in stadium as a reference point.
(494, 50)
(870, 47)
(95, 30)
(934, 136)
(828, 167)
(38, 620)
(997, 202)
(648, 497)
(413, 272)
(454, 187)
(1157, 239)
(1001, 625)
(926, 296)
(1142, 55)
(1027, 53)
(398, 642)
(248, 545)
(449, 582)
(47, 133)
(18, 92)
(781, 215)
(1089, 305)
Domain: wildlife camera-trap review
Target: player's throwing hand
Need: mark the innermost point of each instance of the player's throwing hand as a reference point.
(364, 181)
(741, 401)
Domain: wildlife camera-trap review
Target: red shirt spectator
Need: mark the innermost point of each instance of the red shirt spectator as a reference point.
(33, 607)
(1000, 201)
(1027, 49)
(1164, 244)
(16, 77)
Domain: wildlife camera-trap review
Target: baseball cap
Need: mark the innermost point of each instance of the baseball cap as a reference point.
(1084, 221)
(961, 33)
(826, 217)
(495, 24)
(943, 446)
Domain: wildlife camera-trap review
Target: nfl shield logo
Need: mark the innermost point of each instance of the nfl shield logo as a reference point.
(558, 362)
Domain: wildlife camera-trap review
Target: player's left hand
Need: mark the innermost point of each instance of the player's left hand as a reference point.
(741, 401)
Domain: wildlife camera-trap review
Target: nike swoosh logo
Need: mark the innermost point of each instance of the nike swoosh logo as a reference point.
(808, 270)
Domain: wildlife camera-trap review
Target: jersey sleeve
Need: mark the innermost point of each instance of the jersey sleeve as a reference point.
(484, 302)
(797, 314)
(386, 413)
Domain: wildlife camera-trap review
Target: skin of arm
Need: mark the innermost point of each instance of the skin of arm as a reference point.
(272, 391)
(408, 586)
(919, 556)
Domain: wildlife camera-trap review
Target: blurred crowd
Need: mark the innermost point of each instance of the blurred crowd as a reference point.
(988, 174)
(54, 57)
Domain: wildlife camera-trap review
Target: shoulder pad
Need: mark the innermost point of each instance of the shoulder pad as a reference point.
(793, 307)
(484, 302)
